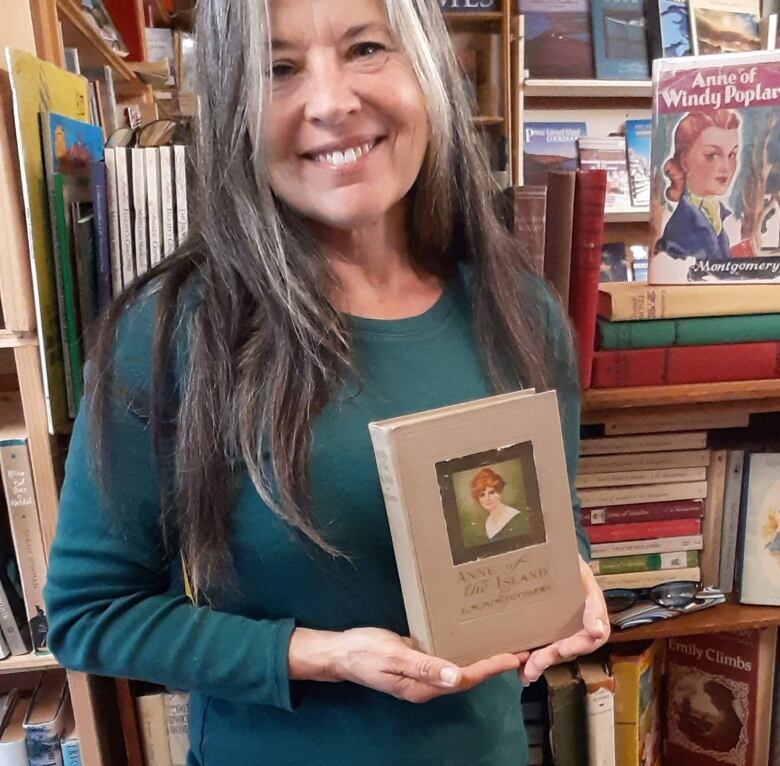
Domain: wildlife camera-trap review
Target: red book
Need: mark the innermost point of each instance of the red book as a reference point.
(643, 530)
(686, 364)
(635, 512)
(128, 18)
(718, 698)
(590, 191)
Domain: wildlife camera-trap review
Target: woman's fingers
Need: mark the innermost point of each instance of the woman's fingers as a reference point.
(480, 671)
(560, 651)
(428, 669)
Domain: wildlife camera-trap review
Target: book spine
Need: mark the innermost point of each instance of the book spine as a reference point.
(730, 521)
(600, 711)
(568, 722)
(648, 563)
(632, 513)
(26, 534)
(643, 530)
(645, 461)
(180, 176)
(115, 247)
(125, 216)
(140, 227)
(43, 745)
(649, 493)
(15, 637)
(71, 752)
(648, 579)
(651, 476)
(154, 212)
(587, 236)
(689, 364)
(713, 515)
(4, 650)
(664, 442)
(651, 545)
(152, 721)
(558, 231)
(168, 206)
(102, 238)
(176, 708)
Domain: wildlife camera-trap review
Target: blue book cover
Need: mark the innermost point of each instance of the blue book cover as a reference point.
(100, 232)
(639, 135)
(668, 28)
(549, 146)
(71, 752)
(619, 40)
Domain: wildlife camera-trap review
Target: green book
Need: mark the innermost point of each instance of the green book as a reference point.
(648, 563)
(695, 331)
(568, 716)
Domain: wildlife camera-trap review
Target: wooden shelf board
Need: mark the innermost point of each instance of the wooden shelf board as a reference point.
(725, 617)
(470, 20)
(28, 662)
(635, 215)
(487, 119)
(11, 339)
(589, 88)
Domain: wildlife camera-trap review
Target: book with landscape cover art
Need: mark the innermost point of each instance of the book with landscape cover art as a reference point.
(715, 184)
(549, 147)
(480, 512)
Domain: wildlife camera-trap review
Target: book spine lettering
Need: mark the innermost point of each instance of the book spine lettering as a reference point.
(625, 514)
(15, 638)
(629, 478)
(645, 461)
(125, 216)
(693, 490)
(648, 563)
(643, 530)
(180, 175)
(648, 579)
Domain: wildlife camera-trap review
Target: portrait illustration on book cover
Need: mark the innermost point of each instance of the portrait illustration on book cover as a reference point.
(715, 189)
(491, 502)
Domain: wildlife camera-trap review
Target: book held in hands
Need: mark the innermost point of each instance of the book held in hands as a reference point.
(480, 512)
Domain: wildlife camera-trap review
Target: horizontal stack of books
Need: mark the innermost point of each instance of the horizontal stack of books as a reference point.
(655, 335)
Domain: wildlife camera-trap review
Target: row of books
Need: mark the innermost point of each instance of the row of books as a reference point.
(38, 729)
(697, 700)
(617, 39)
(162, 726)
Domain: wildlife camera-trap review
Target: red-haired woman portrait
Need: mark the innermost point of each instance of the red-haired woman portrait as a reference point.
(502, 520)
(700, 172)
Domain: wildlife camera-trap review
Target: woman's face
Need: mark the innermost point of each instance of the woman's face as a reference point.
(346, 126)
(489, 499)
(711, 161)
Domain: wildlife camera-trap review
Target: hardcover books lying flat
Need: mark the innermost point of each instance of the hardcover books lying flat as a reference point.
(479, 508)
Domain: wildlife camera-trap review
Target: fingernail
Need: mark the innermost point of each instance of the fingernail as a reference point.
(449, 676)
(600, 627)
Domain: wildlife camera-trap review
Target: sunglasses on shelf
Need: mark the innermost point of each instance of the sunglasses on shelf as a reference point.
(673, 595)
(156, 133)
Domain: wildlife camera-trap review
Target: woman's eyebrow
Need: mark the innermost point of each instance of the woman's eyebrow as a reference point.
(281, 44)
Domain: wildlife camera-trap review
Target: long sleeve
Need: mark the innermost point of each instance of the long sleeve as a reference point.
(114, 607)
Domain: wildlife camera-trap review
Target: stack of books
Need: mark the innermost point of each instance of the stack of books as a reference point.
(651, 335)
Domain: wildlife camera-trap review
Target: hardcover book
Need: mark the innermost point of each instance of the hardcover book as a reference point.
(668, 28)
(13, 745)
(619, 39)
(480, 513)
(716, 133)
(567, 714)
(725, 26)
(558, 231)
(45, 719)
(638, 138)
(549, 147)
(608, 154)
(600, 710)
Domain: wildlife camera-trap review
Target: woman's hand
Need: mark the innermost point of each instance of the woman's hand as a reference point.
(594, 633)
(385, 661)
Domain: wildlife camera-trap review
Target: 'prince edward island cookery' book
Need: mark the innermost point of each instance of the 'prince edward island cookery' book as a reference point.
(715, 188)
(480, 513)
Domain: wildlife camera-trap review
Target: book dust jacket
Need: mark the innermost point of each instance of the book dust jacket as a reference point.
(715, 187)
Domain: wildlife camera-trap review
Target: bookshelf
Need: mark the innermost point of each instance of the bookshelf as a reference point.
(640, 89)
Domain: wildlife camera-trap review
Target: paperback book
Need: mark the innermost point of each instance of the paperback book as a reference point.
(619, 39)
(725, 26)
(608, 154)
(549, 147)
(638, 139)
(716, 163)
(668, 28)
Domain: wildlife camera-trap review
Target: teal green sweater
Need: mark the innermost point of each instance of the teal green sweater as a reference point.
(116, 605)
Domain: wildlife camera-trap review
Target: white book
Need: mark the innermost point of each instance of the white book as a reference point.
(666, 442)
(153, 725)
(180, 176)
(125, 216)
(600, 711)
(140, 228)
(177, 709)
(637, 547)
(153, 208)
(113, 222)
(732, 497)
(167, 200)
(645, 493)
(645, 461)
(13, 744)
(629, 478)
(648, 579)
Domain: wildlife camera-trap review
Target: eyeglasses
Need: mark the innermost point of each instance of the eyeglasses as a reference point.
(673, 595)
(156, 133)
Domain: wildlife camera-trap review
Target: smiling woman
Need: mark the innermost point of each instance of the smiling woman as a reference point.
(345, 265)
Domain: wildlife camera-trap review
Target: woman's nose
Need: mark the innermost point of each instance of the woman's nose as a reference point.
(330, 96)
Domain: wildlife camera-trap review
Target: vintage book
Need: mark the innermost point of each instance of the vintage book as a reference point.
(112, 202)
(650, 476)
(38, 85)
(713, 518)
(167, 200)
(607, 154)
(102, 238)
(647, 563)
(23, 517)
(696, 331)
(13, 745)
(619, 39)
(558, 231)
(497, 522)
(617, 445)
(712, 209)
(126, 224)
(724, 26)
(600, 712)
(637, 670)
(668, 28)
(13, 618)
(649, 578)
(643, 530)
(153, 723)
(140, 216)
(587, 235)
(567, 715)
(687, 364)
(624, 423)
(154, 206)
(69, 742)
(647, 546)
(103, 77)
(557, 38)
(525, 209)
(644, 460)
(549, 147)
(45, 719)
(732, 498)
(636, 301)
(176, 709)
(759, 578)
(718, 698)
(180, 185)
(635, 512)
(638, 137)
(645, 493)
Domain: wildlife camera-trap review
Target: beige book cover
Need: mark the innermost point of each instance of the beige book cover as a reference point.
(153, 722)
(644, 461)
(478, 503)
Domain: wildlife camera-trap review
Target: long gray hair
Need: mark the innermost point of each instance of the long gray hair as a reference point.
(265, 349)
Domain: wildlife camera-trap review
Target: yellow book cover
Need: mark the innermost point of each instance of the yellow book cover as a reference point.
(39, 86)
(637, 670)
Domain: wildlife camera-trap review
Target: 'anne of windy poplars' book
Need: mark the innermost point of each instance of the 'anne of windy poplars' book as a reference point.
(714, 209)
(480, 513)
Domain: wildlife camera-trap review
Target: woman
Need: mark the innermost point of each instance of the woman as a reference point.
(502, 520)
(706, 147)
(345, 266)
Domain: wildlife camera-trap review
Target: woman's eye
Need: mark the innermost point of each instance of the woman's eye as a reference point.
(365, 50)
(281, 70)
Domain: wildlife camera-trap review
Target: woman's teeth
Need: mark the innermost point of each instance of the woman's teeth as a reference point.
(345, 158)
